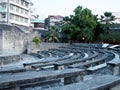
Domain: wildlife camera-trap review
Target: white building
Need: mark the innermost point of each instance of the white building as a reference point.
(17, 12)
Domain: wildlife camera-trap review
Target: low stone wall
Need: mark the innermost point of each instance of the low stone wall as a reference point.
(44, 46)
(9, 59)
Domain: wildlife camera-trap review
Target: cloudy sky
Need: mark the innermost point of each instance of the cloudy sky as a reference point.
(65, 7)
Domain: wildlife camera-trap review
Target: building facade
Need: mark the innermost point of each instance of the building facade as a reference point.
(16, 12)
(53, 20)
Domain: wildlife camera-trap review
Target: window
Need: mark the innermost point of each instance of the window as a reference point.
(18, 19)
(21, 11)
(26, 20)
(22, 2)
(11, 16)
(4, 6)
(26, 4)
(21, 19)
(17, 9)
(26, 12)
(15, 18)
(17, 1)
(11, 7)
(3, 16)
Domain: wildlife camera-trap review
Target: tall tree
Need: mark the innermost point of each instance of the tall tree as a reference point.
(52, 35)
(107, 19)
(80, 26)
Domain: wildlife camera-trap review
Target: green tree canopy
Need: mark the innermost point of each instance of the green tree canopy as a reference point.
(107, 19)
(80, 25)
(52, 35)
(106, 22)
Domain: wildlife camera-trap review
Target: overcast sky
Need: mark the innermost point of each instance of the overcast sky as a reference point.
(65, 7)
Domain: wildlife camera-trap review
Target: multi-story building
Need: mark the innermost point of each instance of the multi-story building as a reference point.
(16, 12)
(53, 20)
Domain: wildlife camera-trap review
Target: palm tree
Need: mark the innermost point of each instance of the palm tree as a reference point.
(107, 20)
(52, 35)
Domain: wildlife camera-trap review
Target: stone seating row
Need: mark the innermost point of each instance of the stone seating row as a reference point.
(29, 78)
(69, 57)
(101, 82)
(27, 65)
(37, 64)
(26, 79)
(59, 64)
(45, 53)
(57, 52)
(110, 64)
(36, 55)
(12, 70)
(70, 76)
(82, 62)
(104, 82)
(63, 60)
(91, 63)
(49, 53)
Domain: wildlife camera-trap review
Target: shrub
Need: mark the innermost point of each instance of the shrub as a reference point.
(36, 40)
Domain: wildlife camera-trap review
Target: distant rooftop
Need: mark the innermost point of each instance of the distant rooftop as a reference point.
(55, 16)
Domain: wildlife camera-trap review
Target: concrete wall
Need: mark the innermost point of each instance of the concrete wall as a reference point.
(14, 38)
(9, 59)
(44, 46)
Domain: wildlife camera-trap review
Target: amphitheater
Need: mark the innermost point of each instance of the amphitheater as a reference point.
(71, 67)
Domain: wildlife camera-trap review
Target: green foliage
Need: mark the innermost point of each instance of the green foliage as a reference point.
(103, 26)
(80, 25)
(115, 36)
(36, 40)
(107, 20)
(84, 26)
(52, 35)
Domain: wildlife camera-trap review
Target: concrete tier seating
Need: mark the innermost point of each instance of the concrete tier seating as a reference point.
(18, 80)
(12, 70)
(102, 82)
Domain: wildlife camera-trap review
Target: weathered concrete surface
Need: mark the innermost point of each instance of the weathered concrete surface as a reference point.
(9, 59)
(115, 64)
(20, 79)
(45, 46)
(100, 82)
(13, 38)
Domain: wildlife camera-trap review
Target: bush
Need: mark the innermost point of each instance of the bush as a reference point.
(36, 40)
(112, 37)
